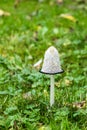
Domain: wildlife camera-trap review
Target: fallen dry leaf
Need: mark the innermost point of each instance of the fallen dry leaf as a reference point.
(69, 17)
(7, 14)
(59, 1)
(16, 3)
(79, 104)
(3, 13)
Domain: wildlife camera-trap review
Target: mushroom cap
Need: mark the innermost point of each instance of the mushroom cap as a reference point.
(51, 63)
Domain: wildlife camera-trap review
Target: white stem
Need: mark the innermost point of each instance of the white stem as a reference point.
(52, 90)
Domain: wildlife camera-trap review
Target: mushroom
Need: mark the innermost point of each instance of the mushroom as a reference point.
(51, 66)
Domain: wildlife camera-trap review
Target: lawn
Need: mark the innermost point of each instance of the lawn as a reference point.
(26, 31)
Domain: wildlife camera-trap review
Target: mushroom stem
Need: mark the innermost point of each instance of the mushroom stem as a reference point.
(52, 90)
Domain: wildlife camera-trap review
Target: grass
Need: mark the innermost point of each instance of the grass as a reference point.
(24, 93)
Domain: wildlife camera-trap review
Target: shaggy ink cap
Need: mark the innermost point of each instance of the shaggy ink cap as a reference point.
(51, 64)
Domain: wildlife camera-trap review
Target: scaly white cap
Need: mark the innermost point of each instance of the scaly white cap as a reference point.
(51, 63)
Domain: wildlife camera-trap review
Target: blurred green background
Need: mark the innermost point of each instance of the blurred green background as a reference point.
(27, 29)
